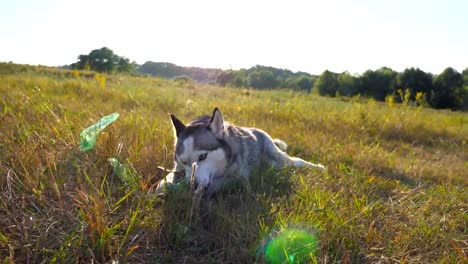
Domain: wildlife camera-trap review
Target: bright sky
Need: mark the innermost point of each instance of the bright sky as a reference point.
(309, 36)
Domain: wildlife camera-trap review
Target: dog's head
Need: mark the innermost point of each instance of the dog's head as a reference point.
(201, 143)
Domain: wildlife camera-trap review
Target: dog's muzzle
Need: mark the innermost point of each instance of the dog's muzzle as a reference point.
(206, 186)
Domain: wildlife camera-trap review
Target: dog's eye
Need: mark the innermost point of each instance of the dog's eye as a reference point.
(202, 157)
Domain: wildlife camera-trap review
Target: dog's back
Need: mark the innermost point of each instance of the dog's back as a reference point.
(251, 146)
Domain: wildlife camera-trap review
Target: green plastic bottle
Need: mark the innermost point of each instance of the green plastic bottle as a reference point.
(88, 137)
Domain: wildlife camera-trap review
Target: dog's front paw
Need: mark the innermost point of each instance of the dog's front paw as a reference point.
(165, 184)
(321, 167)
(315, 166)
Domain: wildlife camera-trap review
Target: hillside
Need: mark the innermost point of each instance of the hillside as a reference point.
(394, 192)
(170, 71)
(258, 77)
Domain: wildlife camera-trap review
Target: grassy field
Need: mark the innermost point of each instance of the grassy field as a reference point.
(394, 192)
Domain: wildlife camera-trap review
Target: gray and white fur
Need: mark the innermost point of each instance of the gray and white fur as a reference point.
(222, 151)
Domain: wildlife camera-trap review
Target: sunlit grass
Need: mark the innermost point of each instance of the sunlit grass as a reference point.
(395, 189)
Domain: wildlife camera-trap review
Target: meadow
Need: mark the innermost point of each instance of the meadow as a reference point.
(394, 191)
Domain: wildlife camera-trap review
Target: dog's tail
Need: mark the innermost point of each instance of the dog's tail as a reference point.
(280, 144)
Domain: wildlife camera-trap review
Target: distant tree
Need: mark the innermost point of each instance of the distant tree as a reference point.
(124, 65)
(448, 91)
(465, 77)
(416, 81)
(327, 84)
(280, 78)
(262, 79)
(103, 60)
(465, 89)
(378, 84)
(347, 84)
(300, 82)
(225, 77)
(82, 63)
(239, 79)
(304, 83)
(231, 78)
(160, 69)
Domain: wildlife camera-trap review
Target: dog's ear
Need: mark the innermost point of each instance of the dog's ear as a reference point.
(217, 124)
(178, 126)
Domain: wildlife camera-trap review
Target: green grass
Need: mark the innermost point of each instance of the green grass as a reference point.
(395, 189)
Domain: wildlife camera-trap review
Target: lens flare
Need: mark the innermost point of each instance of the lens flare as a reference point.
(290, 245)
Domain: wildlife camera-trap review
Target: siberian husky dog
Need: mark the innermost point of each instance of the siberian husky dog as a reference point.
(218, 151)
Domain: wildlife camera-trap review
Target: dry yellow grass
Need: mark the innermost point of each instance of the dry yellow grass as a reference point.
(395, 190)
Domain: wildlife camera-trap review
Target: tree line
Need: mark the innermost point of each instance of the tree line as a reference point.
(449, 89)
(263, 77)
